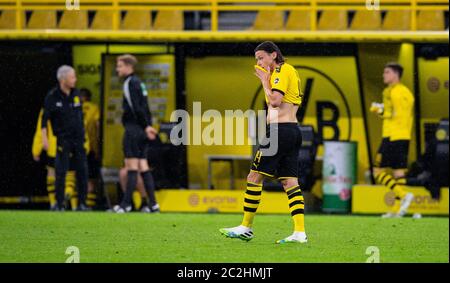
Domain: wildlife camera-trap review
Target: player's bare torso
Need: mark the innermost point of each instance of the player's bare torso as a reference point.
(285, 113)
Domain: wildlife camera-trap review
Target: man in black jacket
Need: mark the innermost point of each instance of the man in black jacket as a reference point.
(63, 108)
(137, 121)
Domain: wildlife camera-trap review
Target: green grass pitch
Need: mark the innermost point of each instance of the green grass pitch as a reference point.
(31, 236)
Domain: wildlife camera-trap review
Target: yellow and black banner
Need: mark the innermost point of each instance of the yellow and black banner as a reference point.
(368, 199)
(214, 201)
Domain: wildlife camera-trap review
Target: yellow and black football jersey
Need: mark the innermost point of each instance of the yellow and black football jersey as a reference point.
(285, 79)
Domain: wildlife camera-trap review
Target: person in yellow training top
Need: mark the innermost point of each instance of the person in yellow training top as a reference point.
(70, 191)
(397, 112)
(283, 96)
(91, 115)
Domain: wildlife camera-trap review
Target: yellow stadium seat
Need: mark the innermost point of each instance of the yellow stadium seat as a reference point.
(42, 20)
(397, 20)
(333, 20)
(8, 20)
(74, 20)
(102, 20)
(299, 20)
(169, 20)
(137, 20)
(366, 20)
(268, 20)
(430, 20)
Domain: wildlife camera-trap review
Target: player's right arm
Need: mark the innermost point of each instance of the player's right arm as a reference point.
(274, 96)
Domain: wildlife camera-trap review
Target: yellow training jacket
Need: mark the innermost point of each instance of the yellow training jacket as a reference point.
(398, 115)
(91, 117)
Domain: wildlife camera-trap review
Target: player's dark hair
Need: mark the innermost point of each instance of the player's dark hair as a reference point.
(396, 67)
(86, 92)
(271, 47)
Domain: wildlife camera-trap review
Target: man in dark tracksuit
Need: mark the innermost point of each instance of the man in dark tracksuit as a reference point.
(63, 108)
(137, 121)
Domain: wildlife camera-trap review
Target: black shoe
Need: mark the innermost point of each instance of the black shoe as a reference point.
(57, 207)
(120, 209)
(145, 209)
(83, 207)
(155, 208)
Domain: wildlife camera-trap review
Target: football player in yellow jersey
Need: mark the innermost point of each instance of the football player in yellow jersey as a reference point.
(281, 85)
(37, 149)
(91, 115)
(397, 112)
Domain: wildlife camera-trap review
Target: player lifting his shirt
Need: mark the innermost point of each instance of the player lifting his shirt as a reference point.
(283, 96)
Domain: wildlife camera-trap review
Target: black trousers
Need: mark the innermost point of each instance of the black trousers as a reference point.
(67, 149)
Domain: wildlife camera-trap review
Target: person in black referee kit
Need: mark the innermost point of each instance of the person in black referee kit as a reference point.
(137, 121)
(63, 108)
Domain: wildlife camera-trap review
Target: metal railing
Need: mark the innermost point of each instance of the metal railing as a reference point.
(214, 7)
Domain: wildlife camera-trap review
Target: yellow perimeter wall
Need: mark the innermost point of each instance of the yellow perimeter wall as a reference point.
(217, 201)
(365, 199)
(379, 199)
